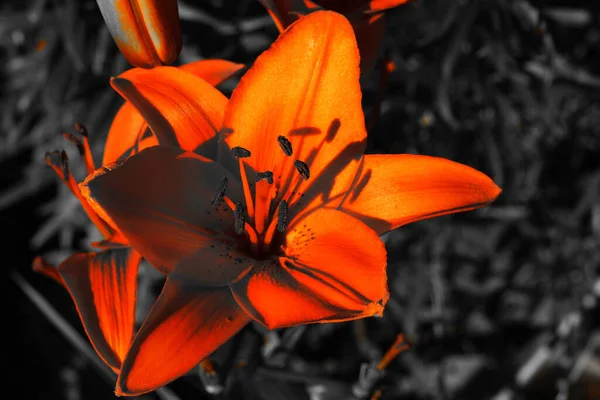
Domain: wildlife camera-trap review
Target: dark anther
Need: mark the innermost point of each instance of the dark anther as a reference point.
(81, 129)
(267, 175)
(286, 145)
(65, 165)
(302, 168)
(240, 218)
(240, 152)
(58, 159)
(218, 196)
(52, 157)
(282, 216)
(75, 140)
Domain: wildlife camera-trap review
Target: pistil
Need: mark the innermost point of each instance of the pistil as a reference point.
(280, 223)
(262, 199)
(242, 226)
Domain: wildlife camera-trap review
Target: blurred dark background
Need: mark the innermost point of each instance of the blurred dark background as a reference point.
(501, 303)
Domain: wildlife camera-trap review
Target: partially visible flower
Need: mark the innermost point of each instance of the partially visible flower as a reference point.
(146, 31)
(366, 17)
(279, 220)
(103, 284)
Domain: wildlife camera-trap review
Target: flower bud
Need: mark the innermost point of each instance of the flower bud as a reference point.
(146, 31)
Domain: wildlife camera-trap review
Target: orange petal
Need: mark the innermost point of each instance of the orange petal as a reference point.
(160, 199)
(382, 5)
(343, 6)
(43, 267)
(214, 72)
(146, 31)
(394, 190)
(332, 271)
(186, 324)
(103, 287)
(126, 130)
(181, 109)
(306, 88)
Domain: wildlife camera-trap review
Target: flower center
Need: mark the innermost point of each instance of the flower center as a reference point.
(258, 212)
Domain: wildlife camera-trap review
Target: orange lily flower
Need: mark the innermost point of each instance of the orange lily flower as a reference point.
(279, 220)
(103, 284)
(366, 17)
(146, 31)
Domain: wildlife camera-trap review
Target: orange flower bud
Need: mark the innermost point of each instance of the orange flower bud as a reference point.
(146, 31)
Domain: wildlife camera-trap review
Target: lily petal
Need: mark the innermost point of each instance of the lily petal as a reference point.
(318, 111)
(103, 287)
(125, 134)
(215, 72)
(160, 199)
(186, 324)
(394, 190)
(382, 5)
(181, 109)
(343, 6)
(129, 127)
(43, 267)
(334, 270)
(146, 31)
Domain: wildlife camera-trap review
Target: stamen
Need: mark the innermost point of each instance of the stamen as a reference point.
(229, 203)
(81, 129)
(65, 165)
(240, 217)
(209, 377)
(268, 236)
(87, 154)
(267, 176)
(60, 164)
(398, 347)
(282, 216)
(302, 169)
(247, 191)
(218, 196)
(75, 140)
(285, 145)
(240, 152)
